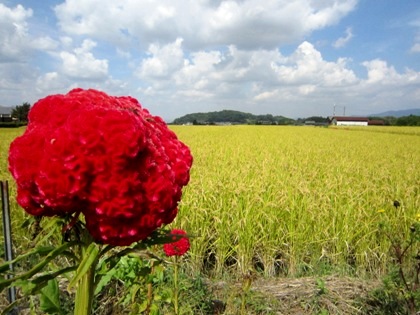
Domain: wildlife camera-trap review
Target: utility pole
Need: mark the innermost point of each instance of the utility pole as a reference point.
(344, 109)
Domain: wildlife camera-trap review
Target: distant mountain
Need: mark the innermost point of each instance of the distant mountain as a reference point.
(231, 116)
(399, 113)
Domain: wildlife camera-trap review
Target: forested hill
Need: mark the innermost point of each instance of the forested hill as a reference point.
(231, 116)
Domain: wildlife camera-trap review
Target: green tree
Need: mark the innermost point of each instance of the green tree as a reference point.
(411, 120)
(20, 112)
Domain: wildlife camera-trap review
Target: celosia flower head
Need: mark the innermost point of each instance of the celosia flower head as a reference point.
(178, 248)
(103, 156)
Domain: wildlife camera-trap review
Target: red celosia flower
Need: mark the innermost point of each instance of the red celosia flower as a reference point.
(104, 156)
(179, 247)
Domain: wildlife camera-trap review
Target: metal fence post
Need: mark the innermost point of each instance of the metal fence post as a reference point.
(7, 231)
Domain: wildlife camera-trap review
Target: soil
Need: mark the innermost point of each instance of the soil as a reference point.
(331, 295)
(310, 295)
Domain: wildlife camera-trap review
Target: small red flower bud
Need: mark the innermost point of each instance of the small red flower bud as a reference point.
(179, 247)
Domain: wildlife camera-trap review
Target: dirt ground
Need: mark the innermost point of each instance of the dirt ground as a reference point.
(308, 295)
(329, 295)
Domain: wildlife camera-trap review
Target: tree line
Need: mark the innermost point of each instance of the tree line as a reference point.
(19, 117)
(237, 117)
(20, 112)
(231, 116)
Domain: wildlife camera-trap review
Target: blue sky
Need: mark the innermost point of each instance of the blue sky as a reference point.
(292, 58)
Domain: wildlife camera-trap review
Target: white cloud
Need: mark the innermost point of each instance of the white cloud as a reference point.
(17, 43)
(266, 95)
(307, 89)
(415, 48)
(328, 12)
(306, 66)
(206, 73)
(265, 81)
(197, 71)
(49, 81)
(160, 15)
(179, 57)
(66, 41)
(82, 64)
(163, 61)
(379, 71)
(13, 33)
(342, 41)
(245, 24)
(45, 43)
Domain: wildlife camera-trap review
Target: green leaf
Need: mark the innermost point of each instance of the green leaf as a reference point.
(41, 250)
(4, 268)
(34, 285)
(41, 281)
(142, 306)
(26, 286)
(90, 256)
(27, 222)
(104, 280)
(37, 268)
(50, 298)
(160, 237)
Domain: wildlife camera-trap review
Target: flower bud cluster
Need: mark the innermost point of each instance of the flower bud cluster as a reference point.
(179, 247)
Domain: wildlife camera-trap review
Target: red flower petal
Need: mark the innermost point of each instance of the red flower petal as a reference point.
(104, 156)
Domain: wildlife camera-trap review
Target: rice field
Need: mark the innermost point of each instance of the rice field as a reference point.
(288, 201)
(296, 200)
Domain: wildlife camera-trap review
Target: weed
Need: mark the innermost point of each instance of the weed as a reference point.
(400, 290)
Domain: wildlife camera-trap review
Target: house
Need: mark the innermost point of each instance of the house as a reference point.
(348, 121)
(6, 118)
(5, 114)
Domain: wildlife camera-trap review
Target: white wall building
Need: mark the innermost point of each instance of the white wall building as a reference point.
(349, 121)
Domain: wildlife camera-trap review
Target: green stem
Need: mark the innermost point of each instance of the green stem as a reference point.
(150, 290)
(176, 286)
(85, 289)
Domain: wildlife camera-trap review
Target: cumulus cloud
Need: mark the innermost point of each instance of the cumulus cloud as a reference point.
(217, 54)
(17, 43)
(306, 66)
(245, 24)
(379, 71)
(82, 64)
(44, 43)
(207, 74)
(342, 41)
(13, 32)
(162, 61)
(265, 80)
(50, 81)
